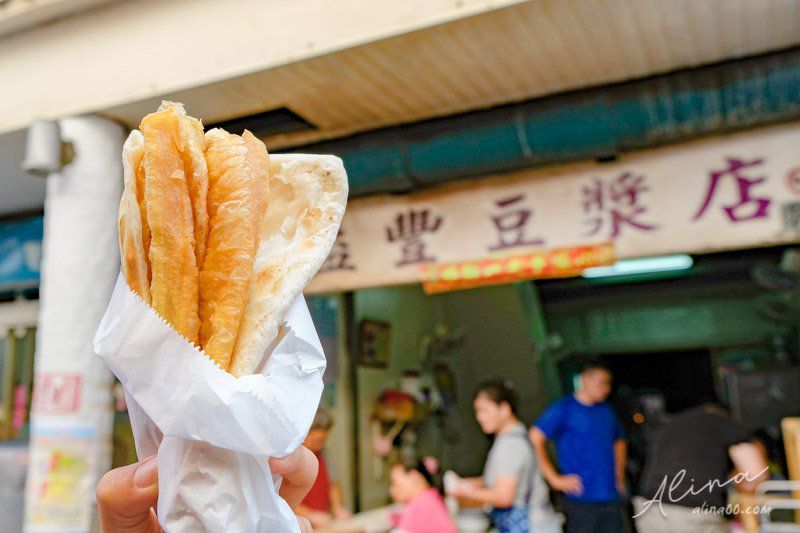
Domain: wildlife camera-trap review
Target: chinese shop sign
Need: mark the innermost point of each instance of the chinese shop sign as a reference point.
(736, 191)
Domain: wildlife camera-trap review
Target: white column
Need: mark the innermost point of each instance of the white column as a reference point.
(71, 420)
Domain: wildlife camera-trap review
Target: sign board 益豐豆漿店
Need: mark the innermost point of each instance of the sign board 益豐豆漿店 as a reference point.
(722, 193)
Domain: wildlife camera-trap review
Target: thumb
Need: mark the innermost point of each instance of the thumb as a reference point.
(126, 496)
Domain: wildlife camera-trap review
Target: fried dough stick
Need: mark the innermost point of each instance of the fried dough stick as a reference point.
(238, 184)
(174, 199)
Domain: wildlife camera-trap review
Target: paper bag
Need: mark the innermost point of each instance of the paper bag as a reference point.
(214, 433)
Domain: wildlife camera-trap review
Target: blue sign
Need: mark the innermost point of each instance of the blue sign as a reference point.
(20, 253)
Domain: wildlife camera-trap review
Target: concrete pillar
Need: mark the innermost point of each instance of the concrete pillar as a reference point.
(71, 419)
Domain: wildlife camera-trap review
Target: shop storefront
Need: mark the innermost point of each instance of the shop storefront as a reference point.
(698, 229)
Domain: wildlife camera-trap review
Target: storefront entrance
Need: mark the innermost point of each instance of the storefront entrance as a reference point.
(673, 342)
(708, 334)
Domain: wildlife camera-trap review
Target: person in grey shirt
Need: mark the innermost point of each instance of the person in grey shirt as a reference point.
(511, 485)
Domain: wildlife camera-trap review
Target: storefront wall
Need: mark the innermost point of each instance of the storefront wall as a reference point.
(650, 323)
(674, 180)
(640, 319)
(496, 345)
(718, 313)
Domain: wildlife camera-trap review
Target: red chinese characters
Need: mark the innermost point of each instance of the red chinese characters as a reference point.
(408, 229)
(57, 393)
(747, 206)
(511, 223)
(611, 205)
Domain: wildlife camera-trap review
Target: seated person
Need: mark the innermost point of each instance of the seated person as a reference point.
(424, 512)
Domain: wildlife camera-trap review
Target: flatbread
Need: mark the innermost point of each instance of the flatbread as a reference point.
(307, 198)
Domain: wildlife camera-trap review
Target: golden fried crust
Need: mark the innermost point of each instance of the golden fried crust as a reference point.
(257, 160)
(140, 185)
(237, 172)
(132, 253)
(174, 287)
(192, 151)
(135, 275)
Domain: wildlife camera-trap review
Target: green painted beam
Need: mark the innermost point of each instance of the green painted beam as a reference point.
(599, 122)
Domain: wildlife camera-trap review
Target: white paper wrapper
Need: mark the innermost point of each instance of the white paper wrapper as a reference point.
(214, 433)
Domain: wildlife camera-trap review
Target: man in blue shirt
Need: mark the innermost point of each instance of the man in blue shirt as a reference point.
(591, 453)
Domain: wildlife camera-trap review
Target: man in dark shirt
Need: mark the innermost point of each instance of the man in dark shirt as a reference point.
(686, 472)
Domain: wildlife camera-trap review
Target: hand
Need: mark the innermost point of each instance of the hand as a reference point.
(127, 495)
(454, 491)
(474, 482)
(319, 519)
(340, 513)
(462, 490)
(465, 493)
(622, 487)
(568, 484)
(299, 470)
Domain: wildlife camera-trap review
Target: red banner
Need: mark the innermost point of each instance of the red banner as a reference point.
(547, 264)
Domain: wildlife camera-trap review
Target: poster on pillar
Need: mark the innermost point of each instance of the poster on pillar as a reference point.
(61, 474)
(728, 192)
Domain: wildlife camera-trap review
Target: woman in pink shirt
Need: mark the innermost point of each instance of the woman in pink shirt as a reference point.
(424, 510)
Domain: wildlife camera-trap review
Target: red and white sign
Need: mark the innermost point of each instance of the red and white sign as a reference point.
(57, 393)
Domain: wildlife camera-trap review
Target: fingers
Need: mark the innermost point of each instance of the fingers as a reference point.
(575, 485)
(126, 497)
(341, 514)
(299, 470)
(305, 525)
(570, 484)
